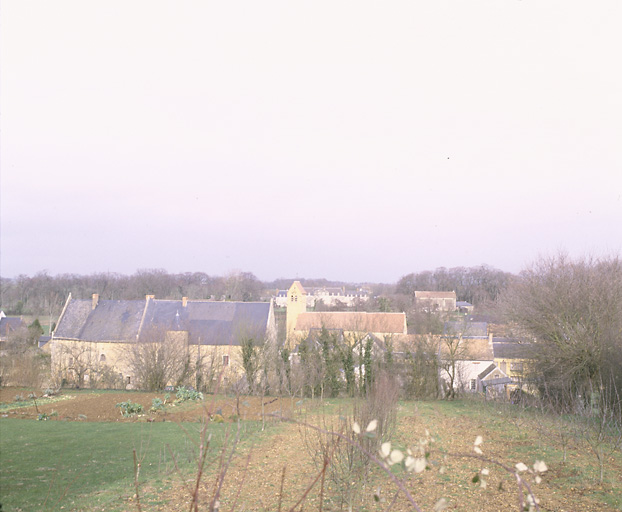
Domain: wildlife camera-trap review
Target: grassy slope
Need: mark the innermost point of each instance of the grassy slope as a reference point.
(512, 435)
(89, 466)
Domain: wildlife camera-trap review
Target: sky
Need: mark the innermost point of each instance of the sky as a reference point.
(352, 140)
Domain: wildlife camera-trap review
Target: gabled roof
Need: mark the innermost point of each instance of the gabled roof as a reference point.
(386, 323)
(112, 320)
(490, 370)
(298, 284)
(9, 324)
(206, 322)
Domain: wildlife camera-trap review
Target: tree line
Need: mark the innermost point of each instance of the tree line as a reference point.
(44, 294)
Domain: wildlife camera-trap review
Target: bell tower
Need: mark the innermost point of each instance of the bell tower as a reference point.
(296, 304)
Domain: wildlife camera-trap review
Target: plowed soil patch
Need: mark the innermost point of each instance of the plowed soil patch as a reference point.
(102, 406)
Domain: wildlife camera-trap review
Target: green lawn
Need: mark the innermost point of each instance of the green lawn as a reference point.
(48, 464)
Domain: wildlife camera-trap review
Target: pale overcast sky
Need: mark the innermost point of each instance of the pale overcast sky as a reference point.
(356, 141)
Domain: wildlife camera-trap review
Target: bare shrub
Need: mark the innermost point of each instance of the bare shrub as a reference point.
(348, 467)
(156, 360)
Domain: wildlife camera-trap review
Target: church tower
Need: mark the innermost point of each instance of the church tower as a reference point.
(296, 304)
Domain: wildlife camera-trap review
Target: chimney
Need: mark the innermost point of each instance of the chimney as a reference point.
(184, 301)
(95, 300)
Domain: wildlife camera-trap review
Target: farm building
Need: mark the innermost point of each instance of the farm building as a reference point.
(101, 342)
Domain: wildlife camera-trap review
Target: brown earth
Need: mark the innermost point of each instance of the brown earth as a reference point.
(83, 405)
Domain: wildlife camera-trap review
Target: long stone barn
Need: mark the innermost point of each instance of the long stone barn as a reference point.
(101, 343)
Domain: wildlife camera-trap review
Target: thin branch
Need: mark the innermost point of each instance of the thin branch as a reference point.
(136, 475)
(399, 483)
(248, 460)
(282, 485)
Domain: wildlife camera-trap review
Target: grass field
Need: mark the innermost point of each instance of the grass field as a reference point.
(88, 466)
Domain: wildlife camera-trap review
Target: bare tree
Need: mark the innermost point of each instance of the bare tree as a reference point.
(159, 358)
(452, 351)
(21, 362)
(422, 368)
(573, 312)
(76, 360)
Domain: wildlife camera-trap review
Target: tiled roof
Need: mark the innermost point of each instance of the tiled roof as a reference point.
(470, 349)
(300, 287)
(389, 323)
(434, 295)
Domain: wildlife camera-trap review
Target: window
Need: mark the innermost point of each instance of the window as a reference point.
(129, 380)
(225, 360)
(516, 367)
(70, 361)
(473, 384)
(102, 358)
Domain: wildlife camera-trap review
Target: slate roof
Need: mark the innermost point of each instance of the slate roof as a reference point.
(463, 304)
(9, 324)
(467, 329)
(488, 369)
(207, 322)
(113, 320)
(511, 348)
(388, 323)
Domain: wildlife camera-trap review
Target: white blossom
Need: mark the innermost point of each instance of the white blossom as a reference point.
(521, 467)
(396, 457)
(356, 428)
(478, 450)
(372, 426)
(478, 440)
(441, 505)
(385, 449)
(420, 465)
(540, 466)
(485, 472)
